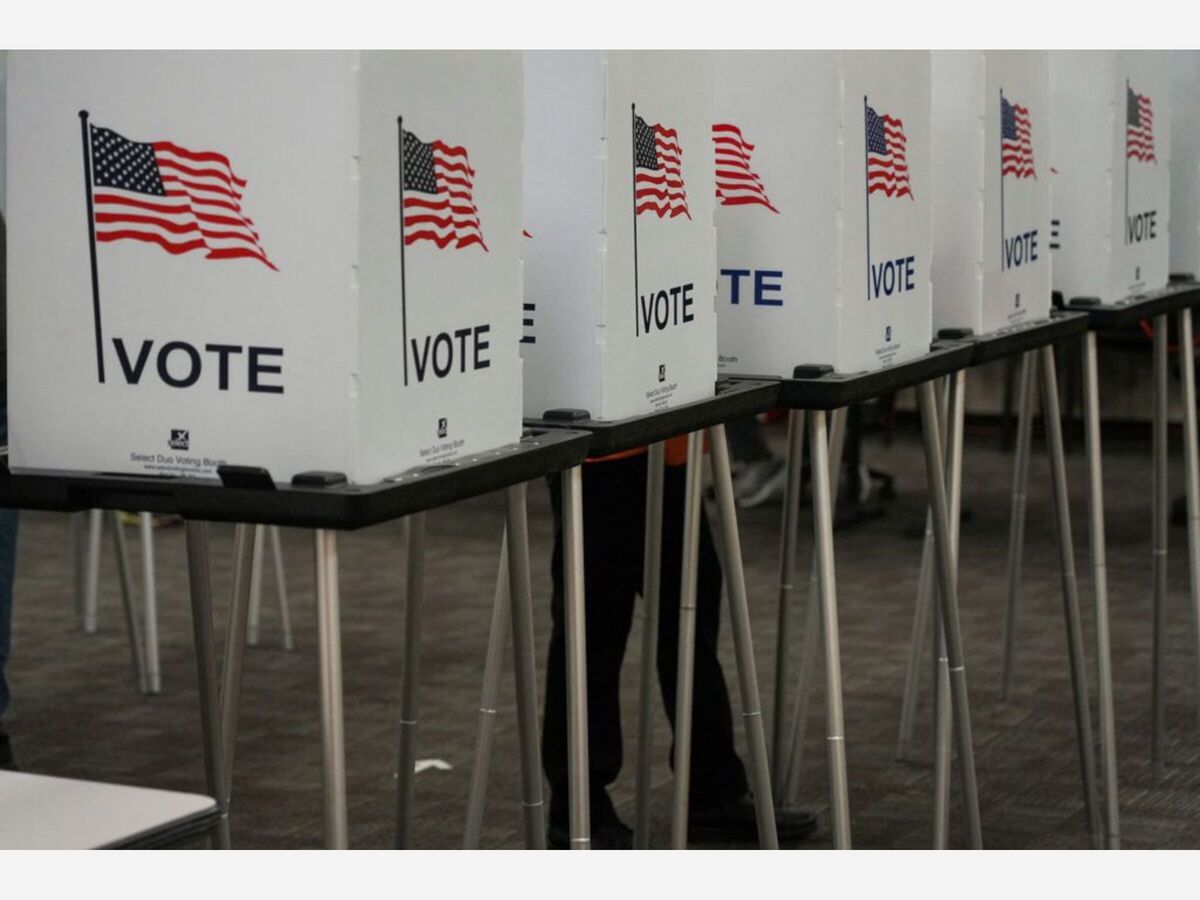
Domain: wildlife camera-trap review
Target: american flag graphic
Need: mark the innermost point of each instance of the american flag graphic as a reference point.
(887, 165)
(1016, 149)
(737, 183)
(438, 202)
(658, 178)
(161, 193)
(1139, 127)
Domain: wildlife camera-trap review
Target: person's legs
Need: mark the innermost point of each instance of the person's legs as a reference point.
(613, 522)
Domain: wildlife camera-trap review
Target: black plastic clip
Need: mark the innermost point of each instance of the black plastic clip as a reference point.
(566, 415)
(811, 371)
(253, 478)
(318, 478)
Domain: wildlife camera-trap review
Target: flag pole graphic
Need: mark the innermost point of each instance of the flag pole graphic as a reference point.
(91, 217)
(403, 299)
(867, 185)
(637, 328)
(1002, 266)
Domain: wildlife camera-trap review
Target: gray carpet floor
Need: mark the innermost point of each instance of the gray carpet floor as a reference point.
(76, 711)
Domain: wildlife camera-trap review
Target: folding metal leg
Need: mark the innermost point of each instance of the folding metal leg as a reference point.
(1192, 470)
(790, 789)
(409, 679)
(1108, 742)
(952, 426)
(285, 613)
(1066, 550)
(651, 587)
(686, 668)
(1016, 521)
(485, 733)
(256, 579)
(263, 532)
(132, 627)
(935, 474)
(235, 644)
(1161, 507)
(91, 584)
(787, 573)
(150, 604)
(576, 633)
(216, 775)
(329, 645)
(739, 617)
(525, 669)
(79, 545)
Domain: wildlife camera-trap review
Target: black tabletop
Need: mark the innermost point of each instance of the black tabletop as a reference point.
(1023, 338)
(1109, 316)
(731, 400)
(339, 506)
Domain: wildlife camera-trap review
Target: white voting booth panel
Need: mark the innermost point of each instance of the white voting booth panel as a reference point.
(1185, 162)
(619, 305)
(247, 297)
(823, 217)
(1110, 150)
(991, 212)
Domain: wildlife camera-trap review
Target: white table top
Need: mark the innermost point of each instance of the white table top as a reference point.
(42, 812)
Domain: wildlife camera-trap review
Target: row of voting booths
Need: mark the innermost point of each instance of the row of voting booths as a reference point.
(357, 272)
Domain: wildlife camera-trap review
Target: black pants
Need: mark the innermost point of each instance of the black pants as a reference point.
(614, 514)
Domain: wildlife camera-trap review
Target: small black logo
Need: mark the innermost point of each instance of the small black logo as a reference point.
(887, 334)
(443, 427)
(179, 439)
(662, 372)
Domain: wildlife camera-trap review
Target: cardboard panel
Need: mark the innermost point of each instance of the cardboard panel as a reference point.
(1185, 162)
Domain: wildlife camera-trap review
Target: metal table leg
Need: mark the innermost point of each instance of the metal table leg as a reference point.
(1161, 506)
(651, 587)
(410, 679)
(498, 636)
(235, 643)
(256, 579)
(935, 474)
(787, 573)
(1108, 741)
(525, 669)
(79, 544)
(1066, 550)
(215, 772)
(576, 633)
(1016, 521)
(150, 605)
(329, 645)
(132, 626)
(1192, 470)
(285, 613)
(91, 584)
(685, 670)
(739, 617)
(790, 789)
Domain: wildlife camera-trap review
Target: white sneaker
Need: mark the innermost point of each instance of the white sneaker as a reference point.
(764, 481)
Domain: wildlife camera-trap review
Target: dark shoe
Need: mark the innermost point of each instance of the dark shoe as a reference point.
(6, 754)
(615, 835)
(735, 821)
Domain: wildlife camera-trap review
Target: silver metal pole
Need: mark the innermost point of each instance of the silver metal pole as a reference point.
(1192, 471)
(952, 424)
(91, 587)
(1027, 394)
(1161, 507)
(525, 668)
(329, 644)
(743, 643)
(285, 613)
(132, 626)
(651, 588)
(790, 789)
(686, 668)
(1077, 658)
(835, 729)
(256, 580)
(79, 541)
(410, 679)
(576, 633)
(150, 604)
(215, 773)
(235, 645)
(1108, 739)
(785, 612)
(935, 473)
(486, 729)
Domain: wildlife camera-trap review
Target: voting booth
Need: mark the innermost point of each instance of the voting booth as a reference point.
(1110, 156)
(991, 215)
(620, 249)
(824, 192)
(292, 260)
(1185, 162)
